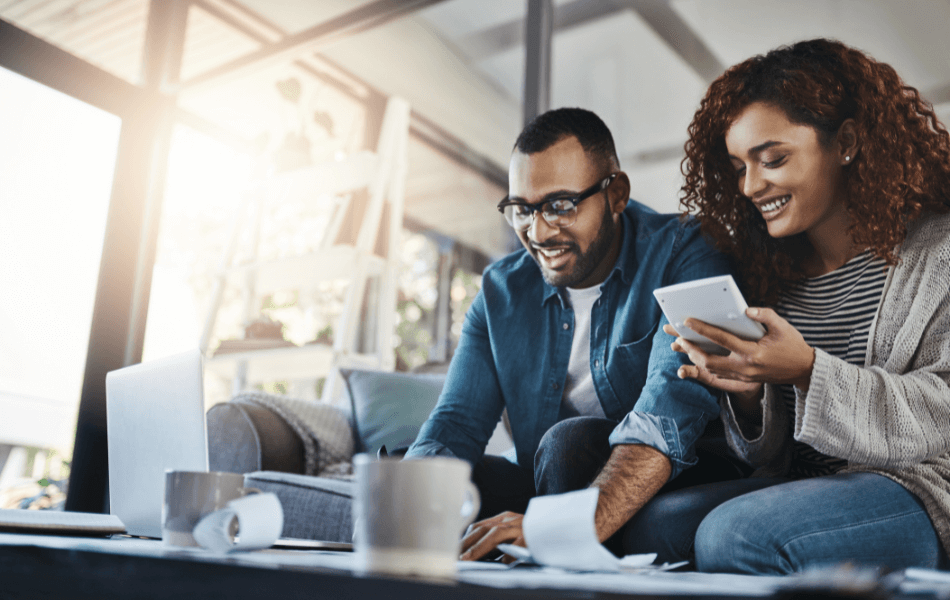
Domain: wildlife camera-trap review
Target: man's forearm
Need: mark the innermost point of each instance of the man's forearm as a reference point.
(633, 474)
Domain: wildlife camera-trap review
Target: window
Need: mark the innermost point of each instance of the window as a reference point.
(56, 168)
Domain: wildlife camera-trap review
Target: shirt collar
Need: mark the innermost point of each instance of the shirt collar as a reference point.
(625, 267)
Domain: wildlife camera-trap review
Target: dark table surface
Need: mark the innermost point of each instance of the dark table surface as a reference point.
(39, 567)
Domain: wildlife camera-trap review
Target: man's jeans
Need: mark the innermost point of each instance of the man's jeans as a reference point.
(571, 455)
(777, 526)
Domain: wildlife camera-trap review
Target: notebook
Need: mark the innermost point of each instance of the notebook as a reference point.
(56, 522)
(155, 418)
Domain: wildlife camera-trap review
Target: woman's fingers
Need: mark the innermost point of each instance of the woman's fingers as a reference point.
(723, 338)
(709, 369)
(766, 316)
(726, 384)
(697, 355)
(693, 372)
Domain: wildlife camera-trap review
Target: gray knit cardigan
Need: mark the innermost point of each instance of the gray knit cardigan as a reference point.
(891, 416)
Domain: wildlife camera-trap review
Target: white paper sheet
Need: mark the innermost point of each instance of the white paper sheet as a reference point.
(560, 532)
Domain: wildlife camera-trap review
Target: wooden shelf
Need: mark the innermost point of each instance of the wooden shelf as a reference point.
(289, 363)
(275, 364)
(306, 271)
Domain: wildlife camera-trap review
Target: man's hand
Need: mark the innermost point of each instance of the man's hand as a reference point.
(484, 536)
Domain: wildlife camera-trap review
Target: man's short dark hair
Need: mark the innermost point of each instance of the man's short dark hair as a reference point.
(548, 128)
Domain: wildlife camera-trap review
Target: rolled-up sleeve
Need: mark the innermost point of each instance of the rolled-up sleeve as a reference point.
(645, 429)
(423, 448)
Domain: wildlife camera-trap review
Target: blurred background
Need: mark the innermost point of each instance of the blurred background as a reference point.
(294, 185)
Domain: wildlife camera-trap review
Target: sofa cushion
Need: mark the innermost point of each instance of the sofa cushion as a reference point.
(389, 408)
(315, 508)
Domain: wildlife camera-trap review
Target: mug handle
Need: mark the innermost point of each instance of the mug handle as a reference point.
(471, 506)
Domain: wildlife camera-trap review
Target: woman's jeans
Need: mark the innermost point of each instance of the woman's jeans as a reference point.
(777, 526)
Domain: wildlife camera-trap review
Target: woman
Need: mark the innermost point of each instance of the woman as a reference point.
(827, 179)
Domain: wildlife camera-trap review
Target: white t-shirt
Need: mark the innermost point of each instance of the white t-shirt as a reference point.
(580, 397)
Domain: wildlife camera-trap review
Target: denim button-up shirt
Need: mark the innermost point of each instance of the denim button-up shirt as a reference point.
(516, 343)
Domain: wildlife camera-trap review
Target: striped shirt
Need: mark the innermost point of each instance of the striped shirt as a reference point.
(833, 312)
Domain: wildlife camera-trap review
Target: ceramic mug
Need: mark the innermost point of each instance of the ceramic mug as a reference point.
(191, 495)
(409, 515)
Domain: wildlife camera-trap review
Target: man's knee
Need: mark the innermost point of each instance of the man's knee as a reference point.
(570, 436)
(571, 453)
(565, 434)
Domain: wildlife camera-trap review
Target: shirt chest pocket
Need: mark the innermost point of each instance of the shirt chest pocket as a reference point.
(627, 368)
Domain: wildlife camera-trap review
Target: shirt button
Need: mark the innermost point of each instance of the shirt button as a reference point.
(566, 327)
(554, 385)
(597, 363)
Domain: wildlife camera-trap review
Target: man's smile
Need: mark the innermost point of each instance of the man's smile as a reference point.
(553, 256)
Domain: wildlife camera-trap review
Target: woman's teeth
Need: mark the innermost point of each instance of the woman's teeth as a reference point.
(776, 204)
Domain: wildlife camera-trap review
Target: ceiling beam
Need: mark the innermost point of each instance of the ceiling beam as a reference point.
(678, 35)
(364, 18)
(255, 33)
(30, 56)
(658, 14)
(510, 34)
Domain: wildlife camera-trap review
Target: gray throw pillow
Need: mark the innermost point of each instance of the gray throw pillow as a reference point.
(390, 408)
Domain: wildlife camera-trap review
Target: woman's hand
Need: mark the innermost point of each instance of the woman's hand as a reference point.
(780, 356)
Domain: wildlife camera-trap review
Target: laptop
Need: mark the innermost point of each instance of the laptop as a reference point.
(155, 419)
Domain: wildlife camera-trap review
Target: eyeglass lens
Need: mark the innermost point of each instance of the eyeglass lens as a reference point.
(558, 213)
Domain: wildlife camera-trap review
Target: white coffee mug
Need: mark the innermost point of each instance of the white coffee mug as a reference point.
(191, 495)
(409, 515)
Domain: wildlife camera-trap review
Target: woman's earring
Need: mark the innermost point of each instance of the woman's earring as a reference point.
(847, 159)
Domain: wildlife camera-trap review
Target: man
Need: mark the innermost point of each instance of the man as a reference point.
(567, 336)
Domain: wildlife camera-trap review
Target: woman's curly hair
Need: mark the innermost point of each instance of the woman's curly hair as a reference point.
(901, 170)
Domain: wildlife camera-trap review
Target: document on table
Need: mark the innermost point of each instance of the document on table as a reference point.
(560, 532)
(56, 522)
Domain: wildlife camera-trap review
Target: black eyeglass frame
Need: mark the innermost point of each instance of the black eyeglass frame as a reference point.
(593, 190)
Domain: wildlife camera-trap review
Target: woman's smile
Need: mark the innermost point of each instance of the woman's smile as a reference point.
(772, 208)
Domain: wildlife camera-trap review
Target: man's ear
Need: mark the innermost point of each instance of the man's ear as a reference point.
(848, 143)
(619, 192)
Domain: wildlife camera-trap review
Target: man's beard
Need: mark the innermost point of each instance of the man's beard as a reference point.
(584, 264)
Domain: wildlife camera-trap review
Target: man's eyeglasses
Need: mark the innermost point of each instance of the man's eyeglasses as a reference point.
(559, 212)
